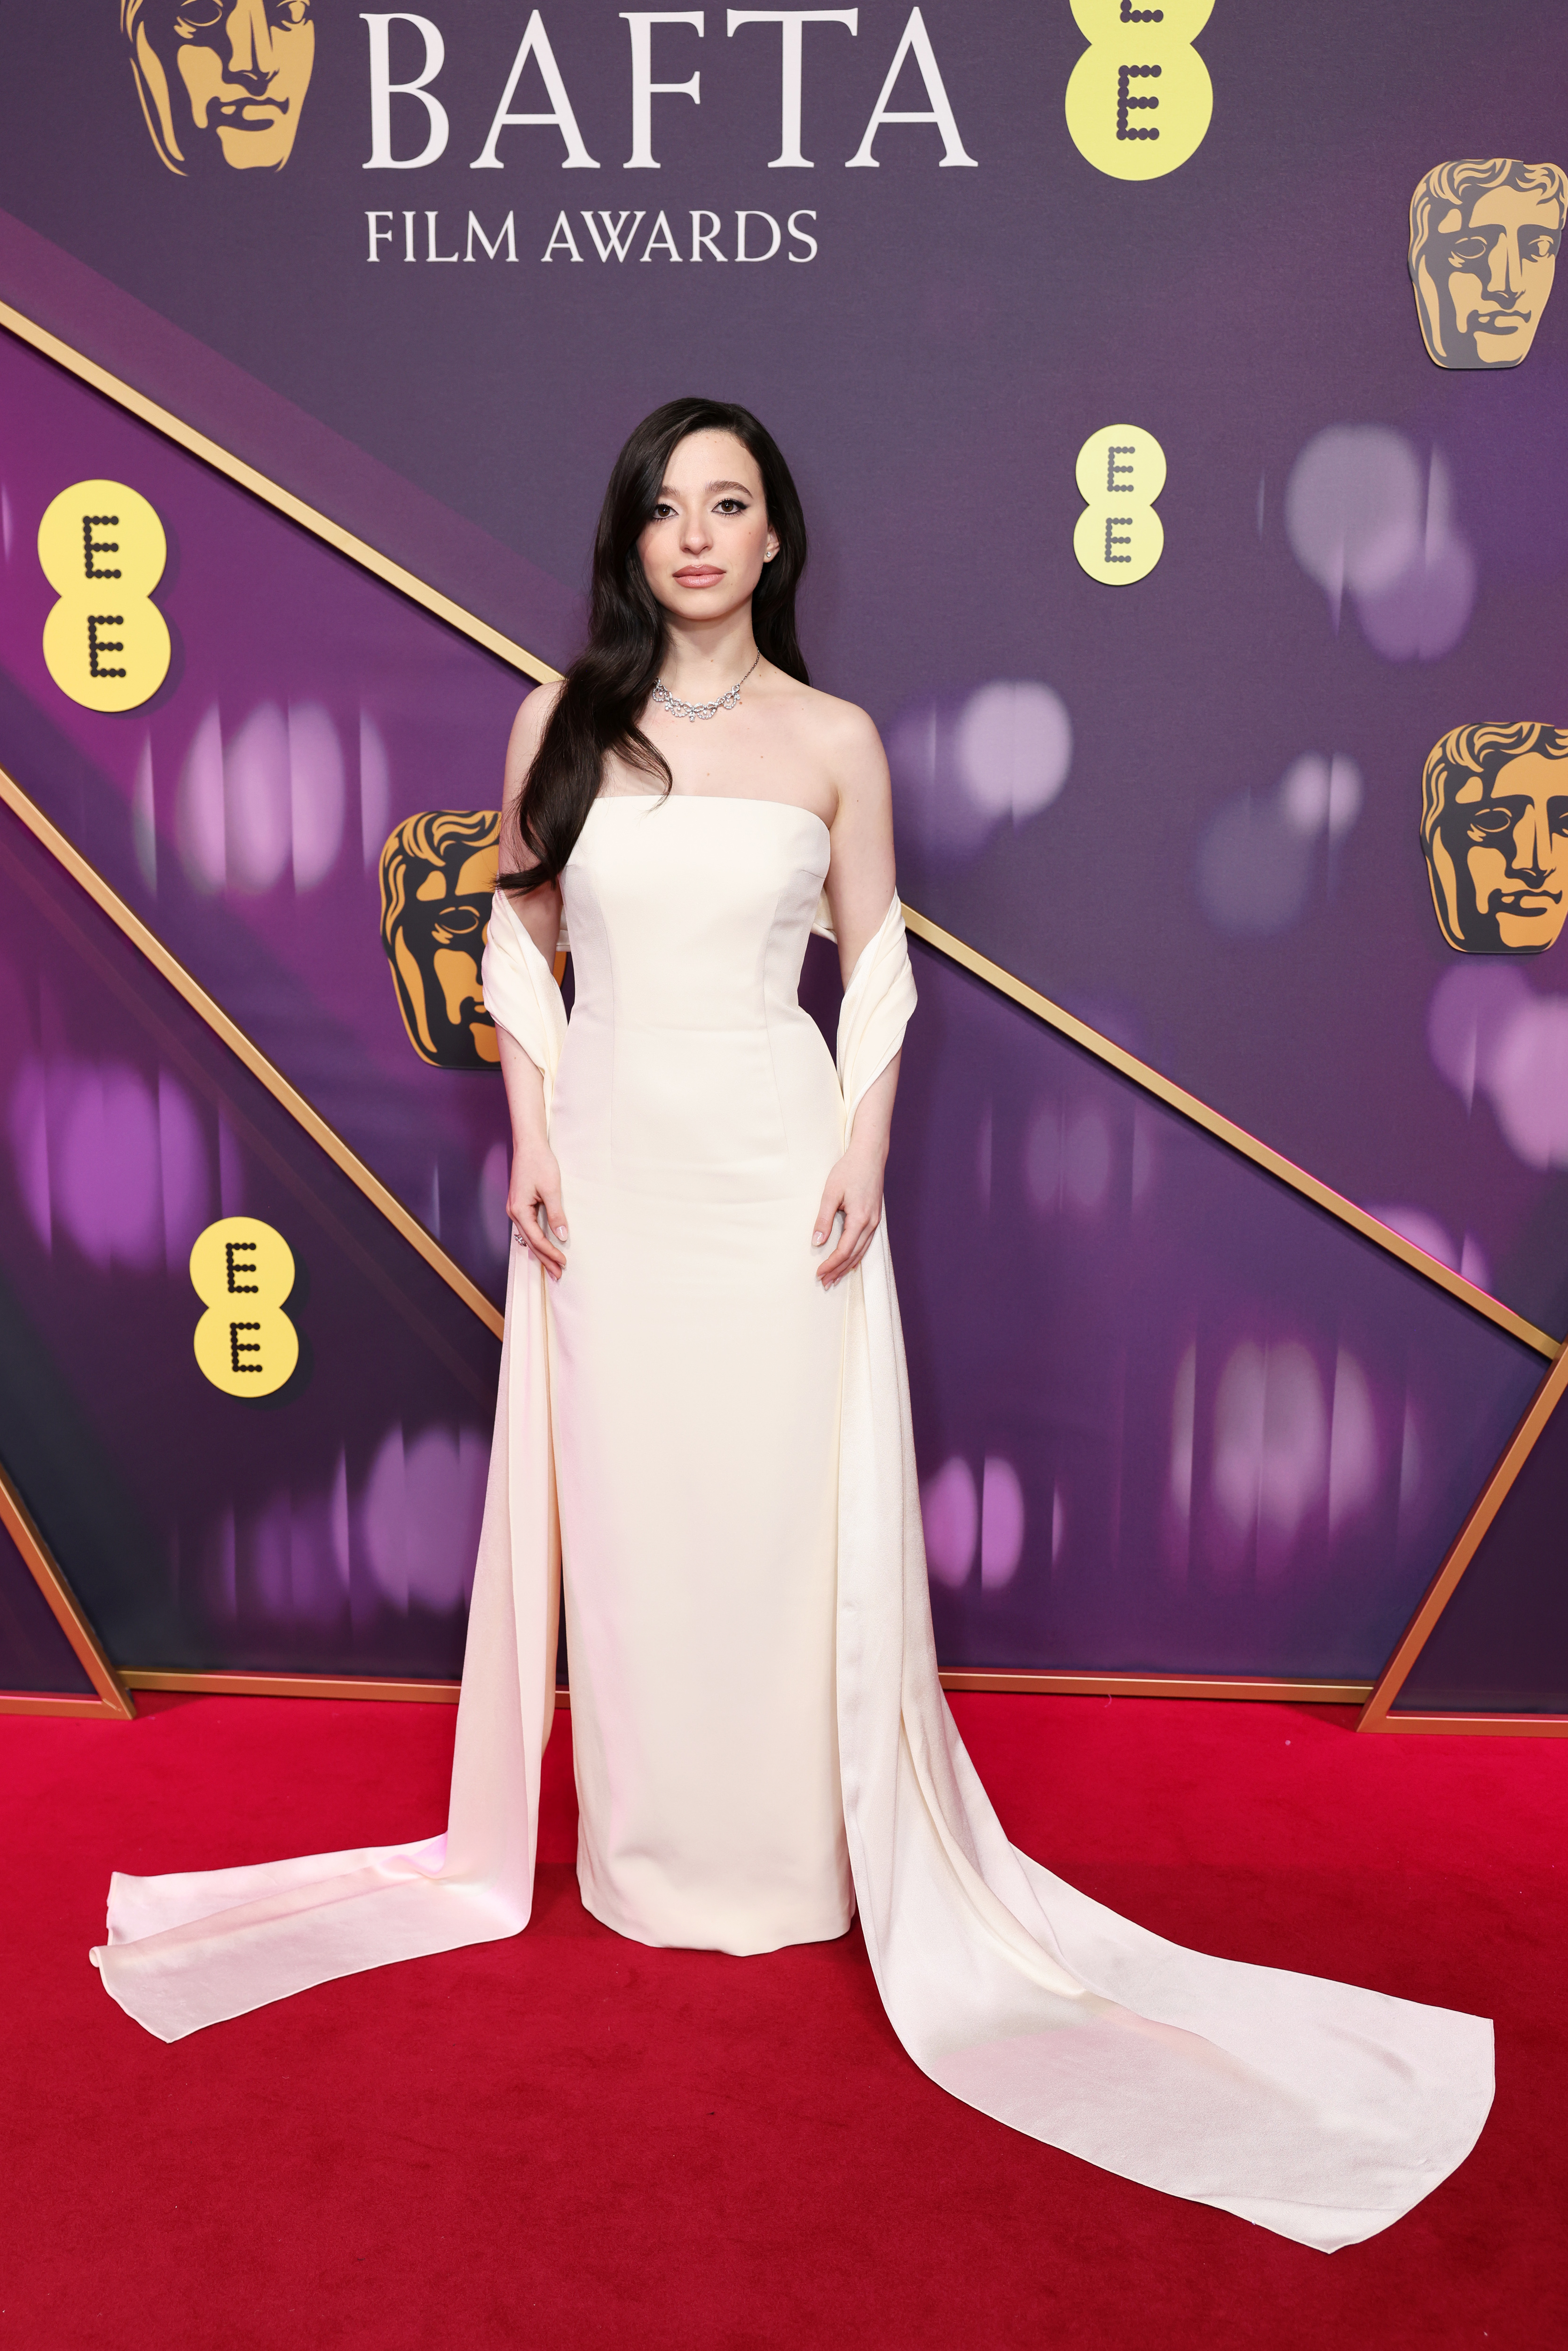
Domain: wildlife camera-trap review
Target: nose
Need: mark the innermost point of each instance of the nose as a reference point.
(250, 41)
(1505, 271)
(695, 536)
(1530, 848)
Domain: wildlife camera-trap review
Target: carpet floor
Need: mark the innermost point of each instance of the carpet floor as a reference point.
(569, 2139)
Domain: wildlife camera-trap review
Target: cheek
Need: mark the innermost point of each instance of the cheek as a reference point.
(294, 55)
(199, 71)
(747, 540)
(1464, 292)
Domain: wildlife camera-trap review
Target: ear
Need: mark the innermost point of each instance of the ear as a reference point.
(771, 548)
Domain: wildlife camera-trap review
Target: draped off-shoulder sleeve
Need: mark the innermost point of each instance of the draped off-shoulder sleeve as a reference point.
(520, 991)
(878, 1004)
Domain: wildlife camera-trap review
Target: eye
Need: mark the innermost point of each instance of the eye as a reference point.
(199, 17)
(732, 506)
(1465, 249)
(1491, 823)
(292, 13)
(1540, 246)
(661, 512)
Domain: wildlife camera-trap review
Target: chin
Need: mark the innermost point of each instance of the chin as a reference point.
(254, 151)
(704, 603)
(1519, 937)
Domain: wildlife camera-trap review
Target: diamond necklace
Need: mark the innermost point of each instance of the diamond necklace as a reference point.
(695, 710)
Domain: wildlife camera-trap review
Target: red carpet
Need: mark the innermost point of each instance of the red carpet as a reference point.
(570, 2140)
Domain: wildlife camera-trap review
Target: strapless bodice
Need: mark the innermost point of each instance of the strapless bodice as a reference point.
(689, 1065)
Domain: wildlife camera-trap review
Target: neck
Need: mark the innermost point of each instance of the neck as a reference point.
(703, 659)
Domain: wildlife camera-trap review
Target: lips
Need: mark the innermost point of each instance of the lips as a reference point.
(251, 113)
(700, 575)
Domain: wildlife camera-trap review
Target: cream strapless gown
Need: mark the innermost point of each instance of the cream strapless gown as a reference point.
(723, 1457)
(695, 1367)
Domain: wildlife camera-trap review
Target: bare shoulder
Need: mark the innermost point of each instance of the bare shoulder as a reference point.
(528, 733)
(534, 714)
(841, 733)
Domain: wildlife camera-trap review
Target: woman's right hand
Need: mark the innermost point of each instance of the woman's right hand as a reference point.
(536, 1189)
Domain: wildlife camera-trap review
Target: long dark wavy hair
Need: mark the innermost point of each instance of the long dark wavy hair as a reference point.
(604, 691)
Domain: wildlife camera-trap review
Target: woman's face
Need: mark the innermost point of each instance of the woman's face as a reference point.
(704, 548)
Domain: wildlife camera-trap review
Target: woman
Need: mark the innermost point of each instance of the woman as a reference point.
(695, 1344)
(703, 1362)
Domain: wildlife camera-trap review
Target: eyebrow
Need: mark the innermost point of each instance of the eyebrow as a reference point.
(711, 486)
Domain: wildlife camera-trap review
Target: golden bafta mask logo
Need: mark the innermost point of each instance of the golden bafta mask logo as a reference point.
(1494, 826)
(1483, 252)
(221, 81)
(438, 877)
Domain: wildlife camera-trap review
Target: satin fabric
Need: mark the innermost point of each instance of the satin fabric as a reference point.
(695, 1367)
(1315, 2109)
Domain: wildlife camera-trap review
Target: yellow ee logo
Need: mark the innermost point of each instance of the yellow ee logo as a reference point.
(1119, 536)
(1139, 99)
(242, 1271)
(103, 550)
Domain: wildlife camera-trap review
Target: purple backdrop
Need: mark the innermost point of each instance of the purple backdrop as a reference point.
(35, 1655)
(932, 372)
(1169, 1414)
(1503, 1641)
(330, 1526)
(242, 812)
(1170, 1417)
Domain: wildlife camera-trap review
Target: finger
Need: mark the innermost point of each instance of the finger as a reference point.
(552, 1269)
(868, 1234)
(860, 1255)
(832, 1201)
(832, 1267)
(853, 1244)
(528, 1224)
(537, 1241)
(555, 1212)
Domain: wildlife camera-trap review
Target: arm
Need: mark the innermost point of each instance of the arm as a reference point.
(539, 912)
(533, 1198)
(861, 887)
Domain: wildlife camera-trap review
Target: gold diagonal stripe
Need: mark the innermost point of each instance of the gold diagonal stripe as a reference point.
(254, 1060)
(223, 461)
(1176, 1098)
(1468, 1542)
(17, 1521)
(408, 583)
(221, 1094)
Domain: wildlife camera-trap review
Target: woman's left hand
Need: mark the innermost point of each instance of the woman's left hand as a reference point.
(855, 1190)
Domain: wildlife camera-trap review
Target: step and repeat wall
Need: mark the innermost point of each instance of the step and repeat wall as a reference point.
(1180, 408)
